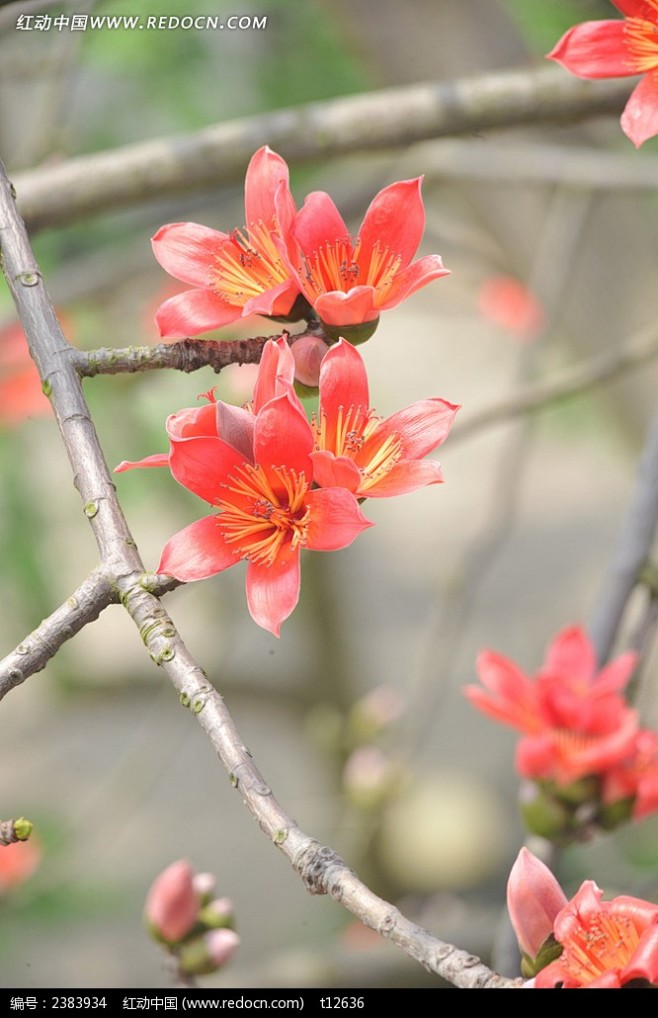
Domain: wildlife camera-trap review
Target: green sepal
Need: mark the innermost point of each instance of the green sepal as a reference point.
(354, 334)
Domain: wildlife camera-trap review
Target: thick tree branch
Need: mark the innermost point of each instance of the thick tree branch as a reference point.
(218, 155)
(321, 870)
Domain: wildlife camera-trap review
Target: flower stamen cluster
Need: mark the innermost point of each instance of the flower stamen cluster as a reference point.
(338, 266)
(641, 38)
(261, 521)
(249, 264)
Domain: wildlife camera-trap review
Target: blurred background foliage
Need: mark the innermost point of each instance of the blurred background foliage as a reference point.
(415, 792)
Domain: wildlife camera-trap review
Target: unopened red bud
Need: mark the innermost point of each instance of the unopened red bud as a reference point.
(308, 352)
(172, 903)
(534, 898)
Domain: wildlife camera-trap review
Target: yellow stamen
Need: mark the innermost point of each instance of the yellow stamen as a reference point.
(349, 435)
(260, 521)
(249, 266)
(606, 943)
(341, 266)
(641, 37)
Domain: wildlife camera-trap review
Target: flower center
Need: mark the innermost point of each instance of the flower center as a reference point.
(353, 434)
(248, 264)
(641, 37)
(604, 944)
(262, 518)
(341, 266)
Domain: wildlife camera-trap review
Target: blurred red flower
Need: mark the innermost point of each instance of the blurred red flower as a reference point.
(573, 719)
(18, 861)
(21, 394)
(506, 302)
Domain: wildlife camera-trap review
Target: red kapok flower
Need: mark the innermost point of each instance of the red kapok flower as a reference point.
(236, 274)
(257, 470)
(574, 720)
(363, 453)
(605, 943)
(349, 282)
(615, 49)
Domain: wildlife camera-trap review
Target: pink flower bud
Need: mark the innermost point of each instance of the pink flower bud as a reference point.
(217, 913)
(534, 899)
(172, 903)
(205, 954)
(308, 353)
(221, 946)
(204, 885)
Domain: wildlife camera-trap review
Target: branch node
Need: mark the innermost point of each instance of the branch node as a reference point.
(388, 923)
(29, 278)
(15, 830)
(314, 864)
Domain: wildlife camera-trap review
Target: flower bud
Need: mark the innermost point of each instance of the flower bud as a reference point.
(369, 775)
(172, 903)
(204, 885)
(378, 710)
(206, 954)
(217, 914)
(534, 898)
(308, 352)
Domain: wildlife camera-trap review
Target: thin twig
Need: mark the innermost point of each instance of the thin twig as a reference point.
(319, 867)
(633, 548)
(185, 355)
(218, 155)
(83, 606)
(12, 831)
(608, 367)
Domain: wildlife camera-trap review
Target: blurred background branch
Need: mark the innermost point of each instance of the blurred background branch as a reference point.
(165, 167)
